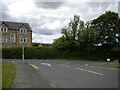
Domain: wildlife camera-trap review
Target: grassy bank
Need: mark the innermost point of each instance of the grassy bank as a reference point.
(8, 74)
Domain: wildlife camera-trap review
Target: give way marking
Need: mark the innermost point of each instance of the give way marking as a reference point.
(90, 71)
(47, 64)
(65, 65)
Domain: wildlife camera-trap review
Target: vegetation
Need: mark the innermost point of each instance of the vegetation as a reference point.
(107, 26)
(35, 44)
(94, 53)
(80, 40)
(103, 30)
(13, 52)
(8, 74)
(0, 74)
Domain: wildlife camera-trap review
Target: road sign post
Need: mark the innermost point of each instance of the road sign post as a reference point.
(23, 53)
(119, 18)
(119, 9)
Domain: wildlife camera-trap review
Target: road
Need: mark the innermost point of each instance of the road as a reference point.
(63, 74)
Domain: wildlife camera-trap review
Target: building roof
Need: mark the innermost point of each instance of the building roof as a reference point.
(15, 25)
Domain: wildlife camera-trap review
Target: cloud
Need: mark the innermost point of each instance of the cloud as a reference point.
(90, 10)
(4, 10)
(48, 5)
(45, 38)
(24, 6)
(48, 18)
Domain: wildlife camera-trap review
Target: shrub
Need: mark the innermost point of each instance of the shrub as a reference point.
(88, 53)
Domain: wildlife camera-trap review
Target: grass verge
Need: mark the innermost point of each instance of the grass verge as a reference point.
(8, 74)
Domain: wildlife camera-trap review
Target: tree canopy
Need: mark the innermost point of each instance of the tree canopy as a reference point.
(108, 28)
(105, 30)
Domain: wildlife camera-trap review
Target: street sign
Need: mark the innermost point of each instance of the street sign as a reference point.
(108, 59)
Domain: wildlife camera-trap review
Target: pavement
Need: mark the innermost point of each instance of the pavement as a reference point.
(106, 65)
(65, 74)
(27, 77)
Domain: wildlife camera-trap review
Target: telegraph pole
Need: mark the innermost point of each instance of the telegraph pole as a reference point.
(119, 18)
(119, 9)
(23, 54)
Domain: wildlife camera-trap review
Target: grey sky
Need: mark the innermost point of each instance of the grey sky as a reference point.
(49, 5)
(47, 18)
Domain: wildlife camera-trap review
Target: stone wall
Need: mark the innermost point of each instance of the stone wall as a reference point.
(17, 42)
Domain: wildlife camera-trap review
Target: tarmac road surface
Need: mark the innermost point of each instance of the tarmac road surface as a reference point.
(64, 74)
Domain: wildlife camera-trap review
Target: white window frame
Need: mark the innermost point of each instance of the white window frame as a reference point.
(23, 40)
(13, 38)
(23, 31)
(4, 29)
(0, 39)
(4, 39)
(0, 29)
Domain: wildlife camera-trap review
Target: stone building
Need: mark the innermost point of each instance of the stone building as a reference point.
(14, 34)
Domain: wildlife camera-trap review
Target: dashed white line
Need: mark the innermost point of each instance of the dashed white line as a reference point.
(65, 65)
(46, 64)
(90, 71)
(52, 85)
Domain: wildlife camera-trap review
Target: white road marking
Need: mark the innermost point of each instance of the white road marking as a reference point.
(65, 65)
(90, 71)
(46, 64)
(52, 85)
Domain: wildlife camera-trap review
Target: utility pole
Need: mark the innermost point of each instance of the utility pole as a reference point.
(23, 53)
(119, 18)
(119, 9)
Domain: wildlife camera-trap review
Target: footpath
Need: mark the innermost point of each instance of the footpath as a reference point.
(108, 65)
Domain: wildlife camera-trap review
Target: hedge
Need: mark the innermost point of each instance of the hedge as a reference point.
(94, 53)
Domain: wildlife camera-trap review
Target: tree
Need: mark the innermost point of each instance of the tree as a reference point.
(108, 28)
(68, 40)
(63, 43)
(87, 36)
(77, 33)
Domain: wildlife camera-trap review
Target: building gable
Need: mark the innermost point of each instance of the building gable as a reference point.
(4, 25)
(15, 34)
(15, 25)
(23, 26)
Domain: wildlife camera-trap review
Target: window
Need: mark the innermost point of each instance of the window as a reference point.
(23, 40)
(0, 39)
(4, 39)
(4, 29)
(1, 29)
(23, 31)
(12, 38)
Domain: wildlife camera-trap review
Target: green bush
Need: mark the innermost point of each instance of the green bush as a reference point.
(88, 53)
(12, 53)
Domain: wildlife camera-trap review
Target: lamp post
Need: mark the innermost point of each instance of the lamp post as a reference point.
(119, 9)
(119, 18)
(23, 54)
(23, 51)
